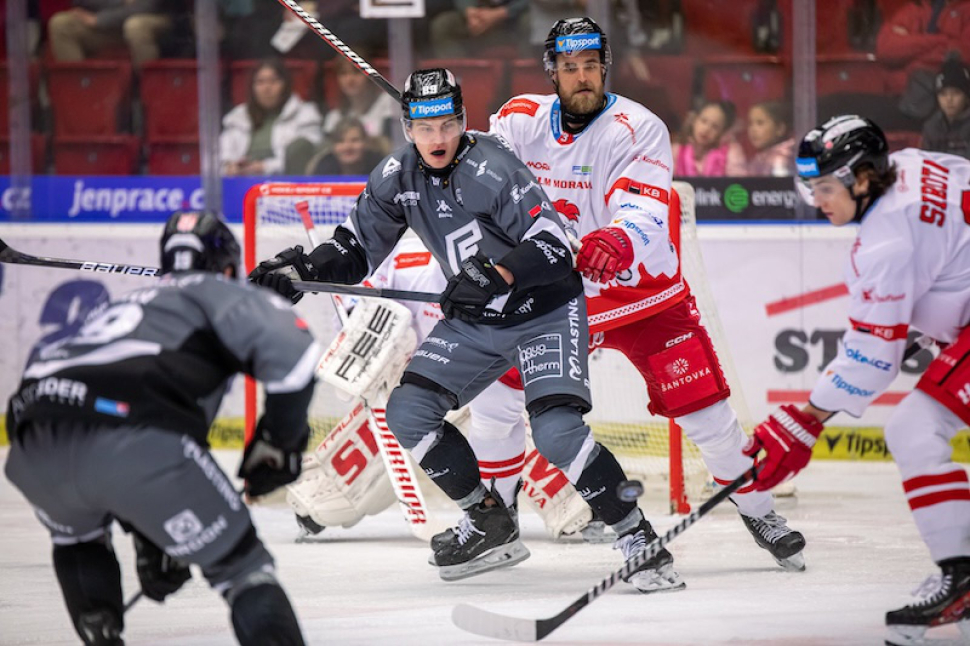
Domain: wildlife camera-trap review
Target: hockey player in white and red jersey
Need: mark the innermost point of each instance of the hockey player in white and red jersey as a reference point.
(605, 161)
(330, 493)
(909, 267)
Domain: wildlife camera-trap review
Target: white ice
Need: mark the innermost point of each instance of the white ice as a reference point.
(371, 584)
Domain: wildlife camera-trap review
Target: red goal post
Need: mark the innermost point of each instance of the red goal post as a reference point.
(650, 449)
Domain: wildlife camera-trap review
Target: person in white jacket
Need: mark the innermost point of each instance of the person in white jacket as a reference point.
(274, 132)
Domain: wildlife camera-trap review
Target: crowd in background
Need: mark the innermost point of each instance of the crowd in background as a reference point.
(337, 122)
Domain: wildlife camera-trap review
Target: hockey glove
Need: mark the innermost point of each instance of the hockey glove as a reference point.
(470, 290)
(279, 272)
(265, 466)
(159, 574)
(604, 253)
(787, 437)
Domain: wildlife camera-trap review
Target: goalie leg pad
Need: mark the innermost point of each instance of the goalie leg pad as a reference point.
(549, 493)
(344, 479)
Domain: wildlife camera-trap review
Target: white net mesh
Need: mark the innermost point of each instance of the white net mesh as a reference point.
(619, 417)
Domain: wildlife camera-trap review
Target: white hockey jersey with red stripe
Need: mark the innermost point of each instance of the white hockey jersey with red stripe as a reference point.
(909, 267)
(616, 172)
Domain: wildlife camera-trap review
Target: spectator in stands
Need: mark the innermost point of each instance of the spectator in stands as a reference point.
(769, 132)
(473, 26)
(91, 26)
(706, 148)
(351, 151)
(948, 131)
(362, 98)
(919, 35)
(274, 132)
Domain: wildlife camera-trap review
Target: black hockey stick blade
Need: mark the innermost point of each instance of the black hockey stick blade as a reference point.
(498, 626)
(374, 292)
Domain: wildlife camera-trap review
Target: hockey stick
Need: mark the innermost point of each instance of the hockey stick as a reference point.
(134, 599)
(396, 462)
(341, 47)
(11, 256)
(499, 626)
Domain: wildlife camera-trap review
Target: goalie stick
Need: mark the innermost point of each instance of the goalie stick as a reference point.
(404, 482)
(11, 256)
(498, 626)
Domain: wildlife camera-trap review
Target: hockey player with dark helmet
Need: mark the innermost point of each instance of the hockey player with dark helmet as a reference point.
(843, 167)
(201, 241)
(577, 57)
(434, 117)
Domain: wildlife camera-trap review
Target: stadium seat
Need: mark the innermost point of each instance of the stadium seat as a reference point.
(745, 81)
(89, 98)
(668, 93)
(170, 98)
(173, 156)
(849, 74)
(717, 27)
(38, 153)
(33, 81)
(899, 139)
(331, 92)
(105, 155)
(482, 86)
(526, 76)
(303, 72)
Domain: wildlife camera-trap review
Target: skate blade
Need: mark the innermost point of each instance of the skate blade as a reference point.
(665, 579)
(596, 534)
(794, 563)
(499, 557)
(902, 635)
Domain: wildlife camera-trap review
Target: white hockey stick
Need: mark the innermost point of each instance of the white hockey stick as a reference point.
(499, 626)
(404, 482)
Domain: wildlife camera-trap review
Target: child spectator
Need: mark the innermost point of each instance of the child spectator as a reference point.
(948, 131)
(770, 136)
(361, 98)
(274, 132)
(706, 149)
(351, 152)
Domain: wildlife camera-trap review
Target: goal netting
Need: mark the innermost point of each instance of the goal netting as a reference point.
(650, 449)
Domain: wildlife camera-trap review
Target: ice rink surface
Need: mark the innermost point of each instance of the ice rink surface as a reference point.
(371, 584)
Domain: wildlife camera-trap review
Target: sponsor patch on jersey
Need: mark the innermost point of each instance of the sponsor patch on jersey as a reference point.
(582, 170)
(541, 358)
(112, 407)
(578, 42)
(413, 259)
(431, 108)
(807, 166)
(535, 210)
(884, 332)
(852, 389)
(639, 188)
(520, 106)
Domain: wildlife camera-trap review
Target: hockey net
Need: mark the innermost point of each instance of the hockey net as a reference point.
(650, 449)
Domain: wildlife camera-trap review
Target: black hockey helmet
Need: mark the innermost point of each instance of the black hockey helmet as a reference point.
(431, 93)
(839, 146)
(571, 35)
(198, 240)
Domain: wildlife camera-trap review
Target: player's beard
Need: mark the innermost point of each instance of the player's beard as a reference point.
(583, 103)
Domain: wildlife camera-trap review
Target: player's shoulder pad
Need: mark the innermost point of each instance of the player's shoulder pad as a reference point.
(526, 105)
(387, 175)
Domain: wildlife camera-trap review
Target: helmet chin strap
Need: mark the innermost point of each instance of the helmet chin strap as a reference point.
(862, 203)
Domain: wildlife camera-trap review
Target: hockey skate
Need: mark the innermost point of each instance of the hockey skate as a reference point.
(942, 599)
(657, 574)
(442, 538)
(783, 543)
(487, 538)
(308, 527)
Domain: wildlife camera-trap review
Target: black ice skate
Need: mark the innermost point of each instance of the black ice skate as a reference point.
(657, 574)
(943, 599)
(444, 537)
(783, 543)
(486, 539)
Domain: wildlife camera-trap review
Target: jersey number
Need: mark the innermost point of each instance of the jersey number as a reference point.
(115, 322)
(462, 243)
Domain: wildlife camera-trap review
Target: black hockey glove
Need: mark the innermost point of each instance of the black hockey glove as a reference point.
(267, 467)
(470, 290)
(159, 574)
(279, 272)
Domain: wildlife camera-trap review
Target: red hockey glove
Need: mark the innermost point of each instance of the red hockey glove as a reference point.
(787, 437)
(603, 254)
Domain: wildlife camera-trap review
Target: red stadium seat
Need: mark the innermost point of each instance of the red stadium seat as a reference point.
(669, 91)
(849, 74)
(331, 92)
(108, 155)
(718, 27)
(481, 83)
(33, 81)
(89, 98)
(526, 76)
(173, 156)
(170, 97)
(38, 153)
(303, 72)
(745, 81)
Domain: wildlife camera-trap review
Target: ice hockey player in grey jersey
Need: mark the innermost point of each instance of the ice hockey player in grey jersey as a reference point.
(111, 424)
(512, 298)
